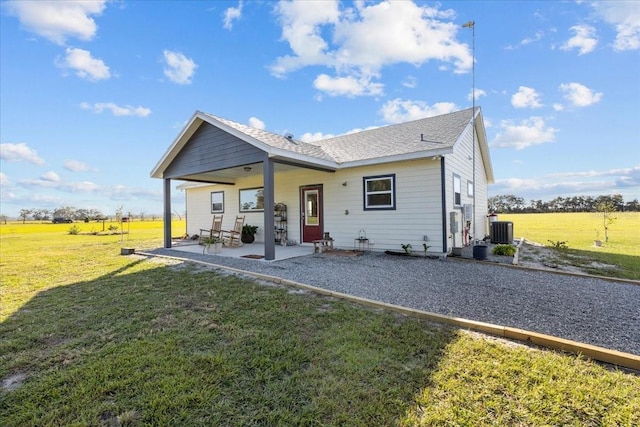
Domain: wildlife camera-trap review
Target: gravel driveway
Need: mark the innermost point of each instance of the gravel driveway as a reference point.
(590, 310)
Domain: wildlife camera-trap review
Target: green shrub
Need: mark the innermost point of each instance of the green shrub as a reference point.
(508, 250)
(558, 244)
(74, 229)
(113, 227)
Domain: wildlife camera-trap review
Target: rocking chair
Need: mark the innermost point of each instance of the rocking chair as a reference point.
(232, 237)
(214, 231)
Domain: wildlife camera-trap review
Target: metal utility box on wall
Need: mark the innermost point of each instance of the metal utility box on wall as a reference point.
(501, 232)
(453, 222)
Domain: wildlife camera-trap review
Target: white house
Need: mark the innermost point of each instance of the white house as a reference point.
(419, 182)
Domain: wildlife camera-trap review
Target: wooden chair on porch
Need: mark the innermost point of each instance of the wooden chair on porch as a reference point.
(232, 237)
(214, 231)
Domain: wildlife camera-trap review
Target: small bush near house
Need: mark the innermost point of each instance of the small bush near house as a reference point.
(507, 250)
(558, 245)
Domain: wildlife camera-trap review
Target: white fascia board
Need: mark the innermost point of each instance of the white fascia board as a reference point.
(301, 158)
(484, 149)
(191, 184)
(397, 158)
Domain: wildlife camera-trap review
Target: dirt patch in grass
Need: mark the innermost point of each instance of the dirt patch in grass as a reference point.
(14, 381)
(536, 255)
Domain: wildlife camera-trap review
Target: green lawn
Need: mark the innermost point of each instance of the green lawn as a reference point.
(578, 231)
(95, 338)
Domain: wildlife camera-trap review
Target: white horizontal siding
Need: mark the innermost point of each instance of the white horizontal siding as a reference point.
(417, 213)
(460, 162)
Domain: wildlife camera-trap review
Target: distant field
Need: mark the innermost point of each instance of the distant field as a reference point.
(580, 230)
(148, 233)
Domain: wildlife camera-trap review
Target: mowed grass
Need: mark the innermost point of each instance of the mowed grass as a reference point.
(90, 337)
(579, 231)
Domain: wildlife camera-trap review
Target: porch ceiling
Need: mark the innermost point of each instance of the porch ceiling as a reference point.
(231, 175)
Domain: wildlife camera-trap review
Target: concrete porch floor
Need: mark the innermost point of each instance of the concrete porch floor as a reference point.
(246, 251)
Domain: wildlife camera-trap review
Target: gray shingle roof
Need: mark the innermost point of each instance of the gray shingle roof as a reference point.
(432, 133)
(275, 140)
(423, 135)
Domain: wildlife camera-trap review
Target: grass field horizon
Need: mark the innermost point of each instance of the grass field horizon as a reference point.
(90, 337)
(577, 231)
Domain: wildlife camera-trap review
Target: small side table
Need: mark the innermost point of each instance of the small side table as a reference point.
(361, 244)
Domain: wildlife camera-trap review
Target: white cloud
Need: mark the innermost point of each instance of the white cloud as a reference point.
(317, 136)
(4, 180)
(571, 183)
(178, 68)
(256, 123)
(410, 82)
(399, 111)
(478, 93)
(349, 86)
(584, 40)
(537, 37)
(58, 20)
(526, 97)
(75, 166)
(624, 16)
(232, 14)
(624, 174)
(68, 187)
(116, 110)
(50, 176)
(301, 24)
(123, 193)
(579, 95)
(20, 152)
(528, 132)
(358, 42)
(84, 64)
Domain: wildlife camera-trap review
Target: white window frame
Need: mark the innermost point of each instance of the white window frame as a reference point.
(391, 192)
(457, 190)
(217, 200)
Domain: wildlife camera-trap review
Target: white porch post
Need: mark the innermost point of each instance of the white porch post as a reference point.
(167, 212)
(269, 204)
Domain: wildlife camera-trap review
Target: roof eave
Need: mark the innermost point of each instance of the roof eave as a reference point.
(397, 158)
(484, 147)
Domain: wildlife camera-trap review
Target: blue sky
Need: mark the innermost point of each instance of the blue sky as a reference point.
(92, 93)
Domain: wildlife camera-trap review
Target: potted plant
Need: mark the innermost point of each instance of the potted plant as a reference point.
(210, 242)
(248, 233)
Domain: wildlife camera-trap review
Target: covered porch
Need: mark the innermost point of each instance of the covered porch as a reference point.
(212, 150)
(255, 250)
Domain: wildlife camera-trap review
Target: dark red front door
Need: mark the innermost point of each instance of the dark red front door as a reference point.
(311, 215)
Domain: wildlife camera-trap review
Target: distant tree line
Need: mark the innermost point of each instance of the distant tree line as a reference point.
(513, 204)
(69, 212)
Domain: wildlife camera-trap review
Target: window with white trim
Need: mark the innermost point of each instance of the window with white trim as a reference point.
(469, 188)
(457, 196)
(379, 192)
